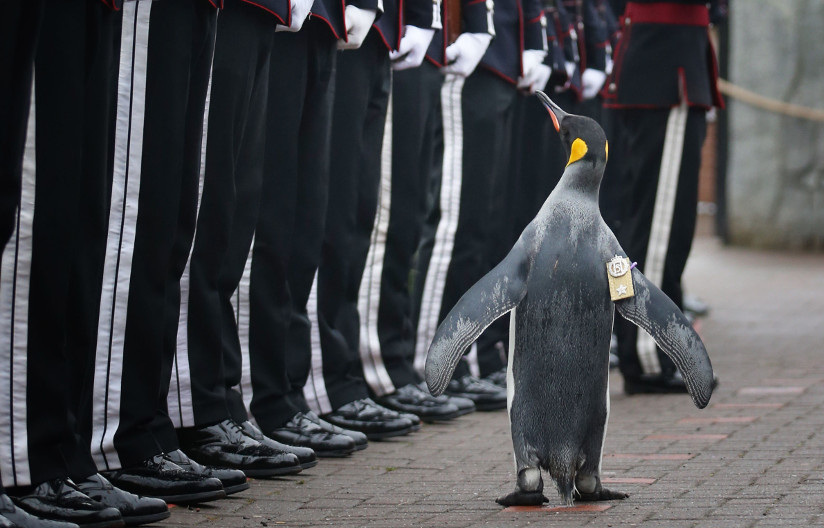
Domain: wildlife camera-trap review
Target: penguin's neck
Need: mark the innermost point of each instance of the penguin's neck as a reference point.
(581, 177)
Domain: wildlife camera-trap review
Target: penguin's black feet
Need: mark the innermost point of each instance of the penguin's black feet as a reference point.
(602, 494)
(522, 498)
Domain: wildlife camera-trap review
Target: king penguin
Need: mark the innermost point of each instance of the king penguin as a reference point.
(557, 282)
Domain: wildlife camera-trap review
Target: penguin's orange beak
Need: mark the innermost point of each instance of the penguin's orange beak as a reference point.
(554, 110)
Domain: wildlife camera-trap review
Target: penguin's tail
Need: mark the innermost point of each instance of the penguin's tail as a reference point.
(563, 472)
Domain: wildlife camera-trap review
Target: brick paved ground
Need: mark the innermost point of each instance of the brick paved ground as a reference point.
(753, 458)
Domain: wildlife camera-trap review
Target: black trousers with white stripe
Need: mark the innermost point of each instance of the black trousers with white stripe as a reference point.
(57, 240)
(362, 84)
(289, 232)
(229, 205)
(388, 342)
(19, 28)
(661, 165)
(161, 137)
(462, 239)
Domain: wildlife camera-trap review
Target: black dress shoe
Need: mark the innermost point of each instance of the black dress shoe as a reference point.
(361, 442)
(135, 510)
(411, 399)
(464, 405)
(485, 395)
(497, 378)
(371, 419)
(306, 457)
(302, 430)
(59, 500)
(224, 445)
(233, 480)
(14, 517)
(158, 477)
(660, 384)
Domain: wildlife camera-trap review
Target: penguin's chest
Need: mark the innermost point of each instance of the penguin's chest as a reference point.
(563, 324)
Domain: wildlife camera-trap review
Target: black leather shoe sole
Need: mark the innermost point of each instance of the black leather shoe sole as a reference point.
(193, 498)
(137, 520)
(275, 472)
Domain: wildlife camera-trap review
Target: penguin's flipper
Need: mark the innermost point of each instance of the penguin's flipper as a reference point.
(498, 292)
(651, 310)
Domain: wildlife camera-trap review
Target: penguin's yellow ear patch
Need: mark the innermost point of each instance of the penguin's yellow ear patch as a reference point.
(606, 148)
(577, 151)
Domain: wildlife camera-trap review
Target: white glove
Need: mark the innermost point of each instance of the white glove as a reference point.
(592, 81)
(463, 55)
(358, 23)
(412, 49)
(570, 68)
(300, 10)
(531, 60)
(537, 79)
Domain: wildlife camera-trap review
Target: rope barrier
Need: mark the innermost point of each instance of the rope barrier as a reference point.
(766, 103)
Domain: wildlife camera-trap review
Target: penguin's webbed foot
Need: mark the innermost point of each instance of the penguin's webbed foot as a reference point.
(522, 498)
(602, 494)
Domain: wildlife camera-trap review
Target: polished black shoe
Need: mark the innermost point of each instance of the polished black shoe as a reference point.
(660, 384)
(371, 419)
(134, 509)
(60, 500)
(695, 306)
(14, 517)
(304, 430)
(224, 445)
(159, 477)
(497, 378)
(233, 480)
(464, 405)
(306, 457)
(485, 395)
(411, 399)
(361, 442)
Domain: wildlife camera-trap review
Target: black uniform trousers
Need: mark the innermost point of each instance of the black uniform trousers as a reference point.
(362, 86)
(19, 29)
(663, 156)
(289, 232)
(160, 135)
(228, 208)
(416, 116)
(468, 215)
(58, 239)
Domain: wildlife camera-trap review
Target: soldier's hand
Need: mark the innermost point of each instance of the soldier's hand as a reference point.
(358, 22)
(412, 49)
(300, 10)
(536, 73)
(463, 55)
(592, 81)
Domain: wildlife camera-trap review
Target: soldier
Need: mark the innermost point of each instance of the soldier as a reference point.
(660, 99)
(478, 106)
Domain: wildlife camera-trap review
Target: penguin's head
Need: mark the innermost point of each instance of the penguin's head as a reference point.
(583, 138)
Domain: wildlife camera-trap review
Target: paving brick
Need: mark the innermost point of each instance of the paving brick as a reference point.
(752, 459)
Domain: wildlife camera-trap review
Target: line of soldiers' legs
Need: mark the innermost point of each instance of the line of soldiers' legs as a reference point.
(229, 249)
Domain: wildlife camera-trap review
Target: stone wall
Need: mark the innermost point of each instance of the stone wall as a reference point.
(775, 172)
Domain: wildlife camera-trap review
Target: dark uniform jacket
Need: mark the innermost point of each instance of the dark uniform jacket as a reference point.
(476, 17)
(664, 55)
(519, 25)
(424, 14)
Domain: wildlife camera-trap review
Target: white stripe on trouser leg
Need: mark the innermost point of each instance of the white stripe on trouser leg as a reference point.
(242, 306)
(15, 275)
(662, 223)
(315, 389)
(369, 294)
(128, 151)
(450, 203)
(179, 399)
